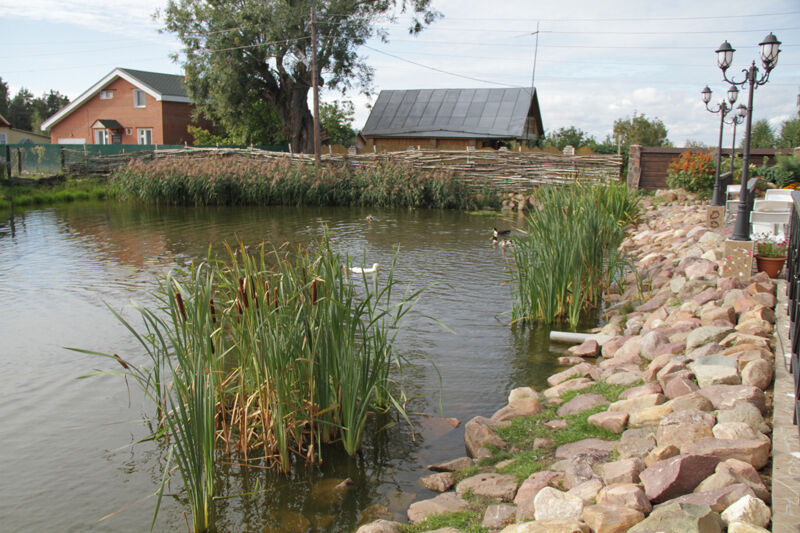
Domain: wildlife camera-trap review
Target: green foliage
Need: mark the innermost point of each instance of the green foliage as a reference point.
(790, 134)
(692, 171)
(571, 136)
(26, 112)
(266, 58)
(788, 169)
(336, 118)
(640, 130)
(75, 189)
(466, 521)
(569, 255)
(761, 135)
(204, 137)
(218, 180)
(4, 98)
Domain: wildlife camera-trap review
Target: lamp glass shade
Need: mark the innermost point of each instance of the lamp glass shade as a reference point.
(770, 48)
(733, 94)
(742, 110)
(725, 55)
(706, 92)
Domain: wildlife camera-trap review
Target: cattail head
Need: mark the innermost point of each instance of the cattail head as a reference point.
(211, 308)
(123, 363)
(181, 308)
(314, 292)
(242, 291)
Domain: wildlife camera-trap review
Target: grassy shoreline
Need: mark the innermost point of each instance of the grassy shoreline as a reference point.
(70, 190)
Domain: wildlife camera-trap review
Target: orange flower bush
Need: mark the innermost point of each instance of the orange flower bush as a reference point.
(692, 171)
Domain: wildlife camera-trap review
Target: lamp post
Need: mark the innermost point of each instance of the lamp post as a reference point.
(770, 48)
(736, 119)
(722, 108)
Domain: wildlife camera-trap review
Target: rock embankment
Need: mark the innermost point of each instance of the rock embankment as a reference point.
(693, 353)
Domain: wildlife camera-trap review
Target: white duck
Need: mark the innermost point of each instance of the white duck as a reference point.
(371, 270)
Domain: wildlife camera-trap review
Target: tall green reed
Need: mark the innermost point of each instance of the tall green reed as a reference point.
(569, 255)
(216, 180)
(267, 357)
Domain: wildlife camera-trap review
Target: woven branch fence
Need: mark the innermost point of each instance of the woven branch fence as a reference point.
(507, 171)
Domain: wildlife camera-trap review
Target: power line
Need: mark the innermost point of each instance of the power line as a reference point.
(623, 47)
(628, 19)
(438, 69)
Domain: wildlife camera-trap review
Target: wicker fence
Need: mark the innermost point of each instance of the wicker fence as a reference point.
(508, 171)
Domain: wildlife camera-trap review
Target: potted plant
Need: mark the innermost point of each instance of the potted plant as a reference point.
(771, 253)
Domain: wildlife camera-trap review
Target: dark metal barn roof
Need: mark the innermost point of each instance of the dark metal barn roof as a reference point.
(454, 113)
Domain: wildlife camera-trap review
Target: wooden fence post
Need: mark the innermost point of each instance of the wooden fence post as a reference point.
(19, 161)
(62, 158)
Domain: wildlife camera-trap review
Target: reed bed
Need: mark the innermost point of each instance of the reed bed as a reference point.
(267, 359)
(569, 255)
(238, 180)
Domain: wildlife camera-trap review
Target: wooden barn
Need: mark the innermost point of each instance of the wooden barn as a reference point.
(451, 119)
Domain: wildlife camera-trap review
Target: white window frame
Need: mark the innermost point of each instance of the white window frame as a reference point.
(101, 136)
(144, 134)
(3, 138)
(136, 98)
(106, 95)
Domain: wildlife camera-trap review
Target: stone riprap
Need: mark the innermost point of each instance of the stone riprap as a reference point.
(696, 353)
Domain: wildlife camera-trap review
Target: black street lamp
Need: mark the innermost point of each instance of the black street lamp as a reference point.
(736, 119)
(722, 108)
(770, 48)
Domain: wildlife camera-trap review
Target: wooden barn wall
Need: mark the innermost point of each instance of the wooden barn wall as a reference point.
(654, 162)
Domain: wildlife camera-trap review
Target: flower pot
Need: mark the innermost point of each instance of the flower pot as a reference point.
(771, 265)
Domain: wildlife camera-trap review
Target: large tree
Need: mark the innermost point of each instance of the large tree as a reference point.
(640, 130)
(761, 135)
(336, 118)
(20, 109)
(45, 106)
(240, 52)
(571, 136)
(3, 98)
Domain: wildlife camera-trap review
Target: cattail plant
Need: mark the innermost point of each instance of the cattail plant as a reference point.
(266, 383)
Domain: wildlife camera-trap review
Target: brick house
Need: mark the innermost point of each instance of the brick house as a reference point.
(126, 107)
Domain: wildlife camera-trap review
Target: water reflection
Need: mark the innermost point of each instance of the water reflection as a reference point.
(58, 266)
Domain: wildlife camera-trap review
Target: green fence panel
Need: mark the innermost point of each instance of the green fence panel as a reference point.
(47, 159)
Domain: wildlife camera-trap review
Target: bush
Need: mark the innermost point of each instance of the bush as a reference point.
(692, 171)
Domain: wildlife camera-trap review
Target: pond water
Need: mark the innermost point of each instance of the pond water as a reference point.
(70, 449)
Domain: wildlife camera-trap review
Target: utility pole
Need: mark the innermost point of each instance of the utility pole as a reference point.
(317, 148)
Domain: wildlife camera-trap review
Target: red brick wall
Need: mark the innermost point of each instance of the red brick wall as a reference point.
(167, 119)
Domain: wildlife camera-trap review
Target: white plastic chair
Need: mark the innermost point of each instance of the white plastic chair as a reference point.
(773, 205)
(770, 222)
(778, 194)
(731, 201)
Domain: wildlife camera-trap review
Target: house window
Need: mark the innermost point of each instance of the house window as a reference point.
(138, 98)
(101, 136)
(145, 135)
(3, 138)
(106, 95)
(128, 131)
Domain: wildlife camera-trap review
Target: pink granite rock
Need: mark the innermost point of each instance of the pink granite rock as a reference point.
(441, 482)
(679, 386)
(717, 499)
(566, 451)
(627, 495)
(489, 485)
(589, 348)
(758, 373)
(528, 490)
(641, 390)
(610, 420)
(753, 451)
(574, 360)
(521, 407)
(577, 371)
(622, 471)
(447, 502)
(676, 476)
(581, 403)
(478, 433)
(726, 396)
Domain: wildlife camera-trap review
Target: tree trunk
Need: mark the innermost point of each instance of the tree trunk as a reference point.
(297, 118)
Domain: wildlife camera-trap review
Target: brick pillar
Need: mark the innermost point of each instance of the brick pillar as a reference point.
(634, 166)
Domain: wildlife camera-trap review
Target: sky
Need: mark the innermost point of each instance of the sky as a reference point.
(595, 61)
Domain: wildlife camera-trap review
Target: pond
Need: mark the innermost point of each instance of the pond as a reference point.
(70, 447)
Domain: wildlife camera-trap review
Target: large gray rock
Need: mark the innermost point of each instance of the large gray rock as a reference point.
(449, 502)
(706, 335)
(708, 375)
(499, 486)
(498, 515)
(581, 466)
(478, 433)
(551, 503)
(676, 476)
(744, 412)
(680, 518)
